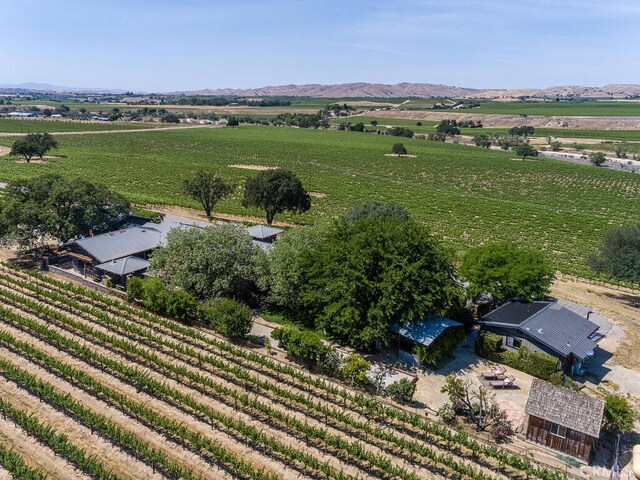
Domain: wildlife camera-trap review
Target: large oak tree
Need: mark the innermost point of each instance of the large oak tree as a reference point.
(276, 191)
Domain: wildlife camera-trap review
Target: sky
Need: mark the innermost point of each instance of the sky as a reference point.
(163, 45)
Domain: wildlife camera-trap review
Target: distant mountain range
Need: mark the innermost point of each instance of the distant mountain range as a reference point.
(371, 90)
(46, 87)
(420, 90)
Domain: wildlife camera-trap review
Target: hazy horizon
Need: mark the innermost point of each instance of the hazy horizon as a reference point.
(166, 46)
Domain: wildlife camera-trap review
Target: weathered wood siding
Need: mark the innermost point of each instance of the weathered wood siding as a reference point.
(576, 444)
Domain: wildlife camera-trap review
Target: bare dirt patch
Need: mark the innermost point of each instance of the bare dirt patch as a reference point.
(252, 167)
(317, 194)
(620, 306)
(218, 218)
(4, 151)
(405, 155)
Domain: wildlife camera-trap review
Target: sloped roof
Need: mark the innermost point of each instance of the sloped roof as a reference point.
(260, 232)
(551, 323)
(124, 266)
(425, 332)
(565, 407)
(121, 243)
(514, 313)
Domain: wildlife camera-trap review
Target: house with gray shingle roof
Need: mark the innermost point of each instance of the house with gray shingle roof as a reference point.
(563, 419)
(553, 327)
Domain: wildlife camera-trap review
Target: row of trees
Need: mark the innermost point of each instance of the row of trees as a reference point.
(274, 191)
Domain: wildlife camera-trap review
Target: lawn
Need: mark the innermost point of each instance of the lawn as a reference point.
(10, 125)
(465, 195)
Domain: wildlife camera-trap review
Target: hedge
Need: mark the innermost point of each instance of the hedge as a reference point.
(538, 364)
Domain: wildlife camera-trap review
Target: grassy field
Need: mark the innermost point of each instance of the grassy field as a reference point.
(426, 127)
(578, 108)
(10, 125)
(467, 196)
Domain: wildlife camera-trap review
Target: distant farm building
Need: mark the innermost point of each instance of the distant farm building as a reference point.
(563, 419)
(23, 114)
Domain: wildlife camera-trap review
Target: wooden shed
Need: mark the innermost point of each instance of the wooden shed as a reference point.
(563, 419)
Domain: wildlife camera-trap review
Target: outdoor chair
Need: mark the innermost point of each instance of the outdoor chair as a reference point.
(495, 375)
(507, 382)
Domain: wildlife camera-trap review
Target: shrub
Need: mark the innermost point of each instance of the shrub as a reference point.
(181, 306)
(618, 414)
(398, 149)
(501, 428)
(448, 415)
(538, 364)
(402, 390)
(228, 317)
(488, 345)
(135, 289)
(110, 283)
(155, 295)
(597, 158)
(555, 146)
(355, 368)
(304, 345)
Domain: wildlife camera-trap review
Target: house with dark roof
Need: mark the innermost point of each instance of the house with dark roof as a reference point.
(124, 252)
(552, 327)
(563, 419)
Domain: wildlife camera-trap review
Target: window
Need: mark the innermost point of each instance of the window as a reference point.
(557, 430)
(514, 342)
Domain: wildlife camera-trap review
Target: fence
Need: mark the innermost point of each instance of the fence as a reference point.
(86, 283)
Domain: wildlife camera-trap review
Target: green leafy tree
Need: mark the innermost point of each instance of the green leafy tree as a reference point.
(374, 123)
(619, 255)
(523, 131)
(482, 140)
(619, 417)
(506, 271)
(372, 272)
(355, 368)
(597, 158)
(282, 273)
(400, 132)
(170, 118)
(33, 144)
(51, 206)
(276, 191)
(229, 317)
(232, 122)
(208, 189)
(211, 262)
(448, 127)
(398, 149)
(525, 150)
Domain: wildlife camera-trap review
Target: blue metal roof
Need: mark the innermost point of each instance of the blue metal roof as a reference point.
(426, 331)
